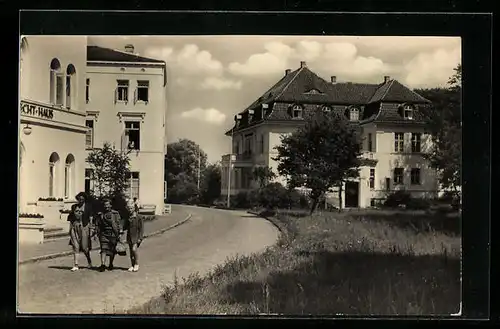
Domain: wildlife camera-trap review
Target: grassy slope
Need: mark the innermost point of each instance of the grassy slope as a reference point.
(351, 263)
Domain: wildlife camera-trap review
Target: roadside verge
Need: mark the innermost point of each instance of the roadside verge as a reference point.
(69, 252)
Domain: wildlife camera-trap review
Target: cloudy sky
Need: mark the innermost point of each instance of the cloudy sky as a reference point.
(211, 78)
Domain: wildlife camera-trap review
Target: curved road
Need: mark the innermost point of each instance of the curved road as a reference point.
(206, 240)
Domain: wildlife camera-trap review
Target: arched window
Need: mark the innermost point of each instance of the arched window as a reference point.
(326, 109)
(53, 164)
(297, 111)
(68, 176)
(354, 114)
(56, 82)
(70, 86)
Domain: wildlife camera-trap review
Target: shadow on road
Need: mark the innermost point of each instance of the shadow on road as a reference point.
(94, 268)
(355, 283)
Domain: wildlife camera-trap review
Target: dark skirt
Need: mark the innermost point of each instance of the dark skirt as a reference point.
(80, 238)
(108, 241)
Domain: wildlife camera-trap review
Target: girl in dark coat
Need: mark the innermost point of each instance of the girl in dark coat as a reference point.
(109, 228)
(81, 224)
(135, 233)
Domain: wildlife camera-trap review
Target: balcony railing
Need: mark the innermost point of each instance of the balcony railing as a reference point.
(244, 157)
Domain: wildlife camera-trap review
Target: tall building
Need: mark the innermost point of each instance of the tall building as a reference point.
(388, 114)
(52, 120)
(125, 102)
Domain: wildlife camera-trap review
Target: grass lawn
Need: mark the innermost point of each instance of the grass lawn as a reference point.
(360, 262)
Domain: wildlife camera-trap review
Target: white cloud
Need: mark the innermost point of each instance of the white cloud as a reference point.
(210, 115)
(432, 69)
(272, 61)
(220, 83)
(189, 60)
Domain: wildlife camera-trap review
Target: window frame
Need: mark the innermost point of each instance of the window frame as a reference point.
(399, 144)
(408, 109)
(372, 179)
(416, 142)
(122, 84)
(352, 111)
(139, 87)
(297, 109)
(412, 176)
(91, 128)
(127, 133)
(132, 187)
(398, 179)
(87, 90)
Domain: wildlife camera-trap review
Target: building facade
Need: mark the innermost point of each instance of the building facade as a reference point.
(388, 114)
(125, 102)
(52, 121)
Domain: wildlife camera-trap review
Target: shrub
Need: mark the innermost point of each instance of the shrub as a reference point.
(418, 204)
(397, 198)
(240, 200)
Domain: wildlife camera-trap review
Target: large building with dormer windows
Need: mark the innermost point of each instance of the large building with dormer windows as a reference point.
(388, 114)
(125, 102)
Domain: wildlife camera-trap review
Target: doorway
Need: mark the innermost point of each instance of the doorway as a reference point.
(352, 194)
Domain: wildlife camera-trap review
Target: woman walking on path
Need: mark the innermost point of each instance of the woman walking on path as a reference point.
(135, 233)
(81, 224)
(110, 228)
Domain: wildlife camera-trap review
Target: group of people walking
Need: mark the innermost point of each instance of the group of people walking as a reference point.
(110, 229)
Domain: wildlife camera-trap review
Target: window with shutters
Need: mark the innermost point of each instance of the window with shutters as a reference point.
(89, 136)
(416, 142)
(354, 114)
(122, 91)
(142, 91)
(133, 134)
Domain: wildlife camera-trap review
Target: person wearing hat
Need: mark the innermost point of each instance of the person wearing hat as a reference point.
(81, 224)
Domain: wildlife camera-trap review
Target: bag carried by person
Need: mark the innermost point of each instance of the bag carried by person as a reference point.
(121, 248)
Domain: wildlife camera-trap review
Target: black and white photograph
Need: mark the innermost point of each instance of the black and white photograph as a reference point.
(240, 175)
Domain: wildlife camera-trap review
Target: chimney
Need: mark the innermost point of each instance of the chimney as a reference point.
(303, 64)
(333, 79)
(287, 71)
(387, 78)
(129, 48)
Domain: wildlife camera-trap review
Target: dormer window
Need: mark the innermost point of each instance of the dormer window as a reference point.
(297, 111)
(408, 112)
(354, 114)
(326, 109)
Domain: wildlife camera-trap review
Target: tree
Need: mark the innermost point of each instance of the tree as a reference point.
(111, 176)
(263, 175)
(320, 155)
(110, 169)
(183, 161)
(446, 128)
(211, 184)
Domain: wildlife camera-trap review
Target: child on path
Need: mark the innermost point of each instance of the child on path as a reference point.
(135, 233)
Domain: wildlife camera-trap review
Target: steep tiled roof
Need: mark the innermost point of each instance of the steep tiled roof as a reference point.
(353, 93)
(394, 91)
(391, 112)
(95, 53)
(296, 87)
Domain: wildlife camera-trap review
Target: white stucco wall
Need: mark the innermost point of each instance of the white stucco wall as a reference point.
(108, 127)
(64, 131)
